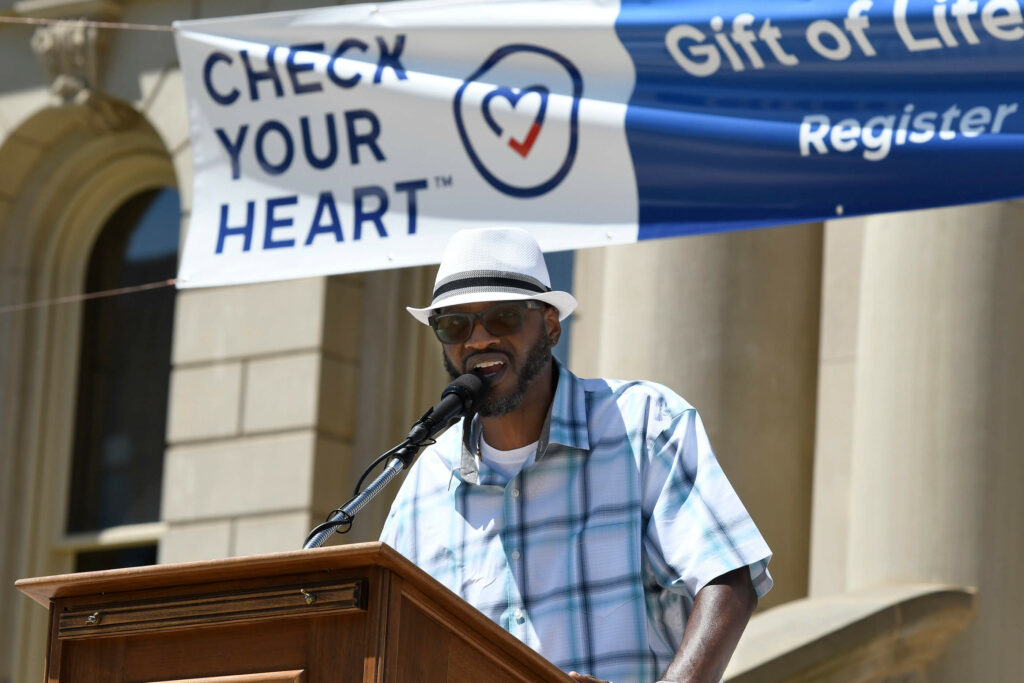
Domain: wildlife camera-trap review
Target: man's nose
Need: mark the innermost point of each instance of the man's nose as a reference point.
(479, 337)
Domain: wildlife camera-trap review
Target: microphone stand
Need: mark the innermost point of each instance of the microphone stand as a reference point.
(457, 400)
(404, 454)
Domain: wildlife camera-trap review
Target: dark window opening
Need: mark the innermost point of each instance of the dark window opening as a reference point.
(124, 368)
(115, 558)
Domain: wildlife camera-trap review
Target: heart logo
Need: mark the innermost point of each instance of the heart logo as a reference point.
(506, 91)
(521, 147)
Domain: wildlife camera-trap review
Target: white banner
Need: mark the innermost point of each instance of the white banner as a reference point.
(360, 137)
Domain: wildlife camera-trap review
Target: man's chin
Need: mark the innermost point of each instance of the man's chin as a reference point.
(496, 406)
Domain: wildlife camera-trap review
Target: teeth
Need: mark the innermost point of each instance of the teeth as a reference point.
(487, 364)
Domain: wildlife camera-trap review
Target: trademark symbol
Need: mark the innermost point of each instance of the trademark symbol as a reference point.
(442, 181)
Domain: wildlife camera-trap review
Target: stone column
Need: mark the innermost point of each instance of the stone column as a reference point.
(840, 301)
(937, 429)
(401, 375)
(730, 321)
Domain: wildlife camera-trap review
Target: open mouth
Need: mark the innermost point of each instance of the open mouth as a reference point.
(489, 369)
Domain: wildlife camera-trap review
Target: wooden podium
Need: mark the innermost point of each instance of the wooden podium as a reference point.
(347, 613)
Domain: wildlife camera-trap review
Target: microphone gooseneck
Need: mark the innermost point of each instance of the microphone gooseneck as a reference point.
(460, 398)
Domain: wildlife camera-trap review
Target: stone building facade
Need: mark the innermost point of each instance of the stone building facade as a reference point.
(861, 379)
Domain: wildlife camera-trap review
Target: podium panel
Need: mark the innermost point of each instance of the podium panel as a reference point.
(342, 614)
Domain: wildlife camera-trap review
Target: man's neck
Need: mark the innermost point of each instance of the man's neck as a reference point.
(523, 425)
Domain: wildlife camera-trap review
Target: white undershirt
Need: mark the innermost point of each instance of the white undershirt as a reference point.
(508, 463)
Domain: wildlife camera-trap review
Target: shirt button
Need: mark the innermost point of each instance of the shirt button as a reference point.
(515, 554)
(518, 614)
(515, 493)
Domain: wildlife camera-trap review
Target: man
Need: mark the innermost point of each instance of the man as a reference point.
(589, 518)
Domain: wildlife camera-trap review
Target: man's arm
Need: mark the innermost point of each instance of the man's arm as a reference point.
(720, 613)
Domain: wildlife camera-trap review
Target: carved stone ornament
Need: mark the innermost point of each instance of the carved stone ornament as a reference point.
(70, 54)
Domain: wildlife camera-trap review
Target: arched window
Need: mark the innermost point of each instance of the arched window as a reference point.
(123, 378)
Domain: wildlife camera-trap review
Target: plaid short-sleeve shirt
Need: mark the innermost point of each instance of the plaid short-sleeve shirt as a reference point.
(593, 554)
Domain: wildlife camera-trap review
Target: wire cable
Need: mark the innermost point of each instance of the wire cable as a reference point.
(40, 21)
(14, 308)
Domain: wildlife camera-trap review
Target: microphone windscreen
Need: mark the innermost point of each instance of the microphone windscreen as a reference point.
(471, 387)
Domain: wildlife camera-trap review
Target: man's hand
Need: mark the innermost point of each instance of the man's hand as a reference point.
(585, 678)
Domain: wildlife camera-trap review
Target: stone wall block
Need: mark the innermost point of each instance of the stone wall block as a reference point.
(832, 448)
(209, 9)
(134, 52)
(343, 316)
(281, 392)
(222, 323)
(163, 104)
(840, 316)
(204, 402)
(182, 159)
(334, 474)
(194, 542)
(258, 475)
(272, 533)
(840, 289)
(338, 389)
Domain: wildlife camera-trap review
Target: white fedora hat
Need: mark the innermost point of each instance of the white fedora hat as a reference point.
(493, 264)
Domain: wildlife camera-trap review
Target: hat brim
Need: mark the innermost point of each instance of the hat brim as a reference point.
(564, 302)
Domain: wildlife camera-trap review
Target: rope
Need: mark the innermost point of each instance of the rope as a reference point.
(84, 22)
(85, 297)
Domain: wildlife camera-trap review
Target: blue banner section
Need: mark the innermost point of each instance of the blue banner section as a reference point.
(748, 113)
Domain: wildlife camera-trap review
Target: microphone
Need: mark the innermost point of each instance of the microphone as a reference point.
(460, 398)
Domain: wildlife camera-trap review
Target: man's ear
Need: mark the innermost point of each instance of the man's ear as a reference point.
(552, 324)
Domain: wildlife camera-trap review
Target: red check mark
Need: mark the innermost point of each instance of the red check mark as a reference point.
(523, 148)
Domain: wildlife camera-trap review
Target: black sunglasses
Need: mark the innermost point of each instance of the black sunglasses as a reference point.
(500, 320)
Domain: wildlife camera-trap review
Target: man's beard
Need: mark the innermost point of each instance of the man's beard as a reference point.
(536, 360)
